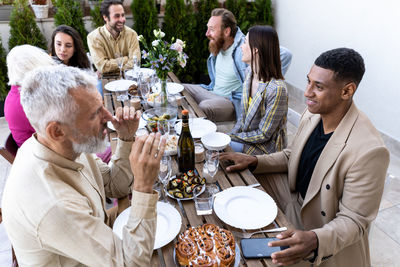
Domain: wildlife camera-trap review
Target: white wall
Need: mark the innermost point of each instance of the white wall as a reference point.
(371, 27)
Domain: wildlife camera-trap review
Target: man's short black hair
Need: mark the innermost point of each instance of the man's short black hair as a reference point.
(104, 8)
(347, 64)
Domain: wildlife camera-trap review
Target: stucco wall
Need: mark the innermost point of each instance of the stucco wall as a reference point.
(310, 27)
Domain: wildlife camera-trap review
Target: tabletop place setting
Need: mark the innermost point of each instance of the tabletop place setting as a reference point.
(189, 187)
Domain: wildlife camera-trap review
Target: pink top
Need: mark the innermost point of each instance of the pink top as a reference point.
(18, 123)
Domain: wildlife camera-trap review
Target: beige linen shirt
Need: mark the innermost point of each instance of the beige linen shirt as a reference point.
(103, 47)
(54, 210)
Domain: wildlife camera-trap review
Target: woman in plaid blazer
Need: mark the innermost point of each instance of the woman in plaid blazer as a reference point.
(261, 127)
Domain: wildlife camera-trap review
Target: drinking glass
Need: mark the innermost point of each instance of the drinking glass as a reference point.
(163, 127)
(144, 88)
(120, 62)
(155, 84)
(122, 95)
(164, 174)
(210, 167)
(136, 67)
(203, 202)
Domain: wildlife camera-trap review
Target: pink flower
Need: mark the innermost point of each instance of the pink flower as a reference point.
(177, 47)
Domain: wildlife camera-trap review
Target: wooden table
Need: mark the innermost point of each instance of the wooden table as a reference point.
(164, 255)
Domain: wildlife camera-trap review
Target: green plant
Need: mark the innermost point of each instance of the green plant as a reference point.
(97, 19)
(69, 13)
(145, 18)
(200, 42)
(23, 27)
(179, 21)
(248, 14)
(263, 12)
(4, 88)
(6, 2)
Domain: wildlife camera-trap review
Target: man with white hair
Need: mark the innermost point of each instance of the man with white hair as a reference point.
(54, 199)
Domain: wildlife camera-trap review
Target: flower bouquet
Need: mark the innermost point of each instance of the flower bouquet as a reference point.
(162, 57)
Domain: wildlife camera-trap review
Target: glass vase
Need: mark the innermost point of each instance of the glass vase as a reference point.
(164, 93)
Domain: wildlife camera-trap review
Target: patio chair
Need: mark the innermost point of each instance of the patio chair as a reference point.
(9, 150)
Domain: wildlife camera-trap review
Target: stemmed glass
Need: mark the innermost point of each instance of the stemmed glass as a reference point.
(164, 174)
(163, 128)
(120, 62)
(144, 88)
(210, 167)
(136, 67)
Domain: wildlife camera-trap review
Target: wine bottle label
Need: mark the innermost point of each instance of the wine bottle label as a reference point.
(184, 124)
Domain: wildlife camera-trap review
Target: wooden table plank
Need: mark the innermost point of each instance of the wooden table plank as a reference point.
(199, 112)
(223, 179)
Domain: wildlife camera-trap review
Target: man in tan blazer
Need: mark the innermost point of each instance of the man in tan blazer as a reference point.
(329, 182)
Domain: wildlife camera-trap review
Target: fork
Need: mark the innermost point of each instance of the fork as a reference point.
(248, 235)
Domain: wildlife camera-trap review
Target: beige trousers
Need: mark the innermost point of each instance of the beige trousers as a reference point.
(216, 108)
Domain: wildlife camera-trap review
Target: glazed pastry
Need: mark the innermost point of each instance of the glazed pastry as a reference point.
(210, 228)
(204, 260)
(225, 237)
(185, 250)
(226, 256)
(214, 246)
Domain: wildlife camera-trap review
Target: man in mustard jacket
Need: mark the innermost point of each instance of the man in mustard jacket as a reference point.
(329, 182)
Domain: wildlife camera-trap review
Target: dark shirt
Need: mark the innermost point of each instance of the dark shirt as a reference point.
(309, 157)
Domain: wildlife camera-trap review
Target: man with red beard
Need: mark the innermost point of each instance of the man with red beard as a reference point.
(220, 100)
(113, 38)
(54, 200)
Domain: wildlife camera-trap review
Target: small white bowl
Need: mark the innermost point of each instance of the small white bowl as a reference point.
(215, 141)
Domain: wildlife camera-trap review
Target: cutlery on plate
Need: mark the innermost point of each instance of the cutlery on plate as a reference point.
(248, 235)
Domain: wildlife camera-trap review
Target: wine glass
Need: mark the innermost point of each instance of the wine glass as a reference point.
(163, 128)
(210, 167)
(144, 88)
(164, 174)
(120, 62)
(136, 67)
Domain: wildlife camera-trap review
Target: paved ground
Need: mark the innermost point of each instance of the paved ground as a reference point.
(385, 232)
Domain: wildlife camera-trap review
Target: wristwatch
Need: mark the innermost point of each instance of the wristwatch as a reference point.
(312, 256)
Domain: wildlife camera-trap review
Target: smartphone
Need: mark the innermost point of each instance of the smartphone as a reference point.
(254, 248)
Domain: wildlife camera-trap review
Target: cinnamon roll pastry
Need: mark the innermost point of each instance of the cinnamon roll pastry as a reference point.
(204, 260)
(225, 237)
(213, 247)
(210, 228)
(185, 250)
(205, 243)
(226, 256)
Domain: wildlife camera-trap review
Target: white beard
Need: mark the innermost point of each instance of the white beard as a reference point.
(93, 144)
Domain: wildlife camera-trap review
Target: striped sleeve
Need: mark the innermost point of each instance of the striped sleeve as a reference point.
(275, 109)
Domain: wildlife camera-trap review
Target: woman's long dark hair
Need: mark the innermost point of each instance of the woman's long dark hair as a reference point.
(79, 58)
(265, 39)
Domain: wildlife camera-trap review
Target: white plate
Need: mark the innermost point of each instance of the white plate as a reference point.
(245, 207)
(198, 127)
(168, 224)
(142, 124)
(119, 85)
(237, 256)
(146, 72)
(173, 88)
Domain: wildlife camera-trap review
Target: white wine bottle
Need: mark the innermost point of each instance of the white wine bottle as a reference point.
(186, 155)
